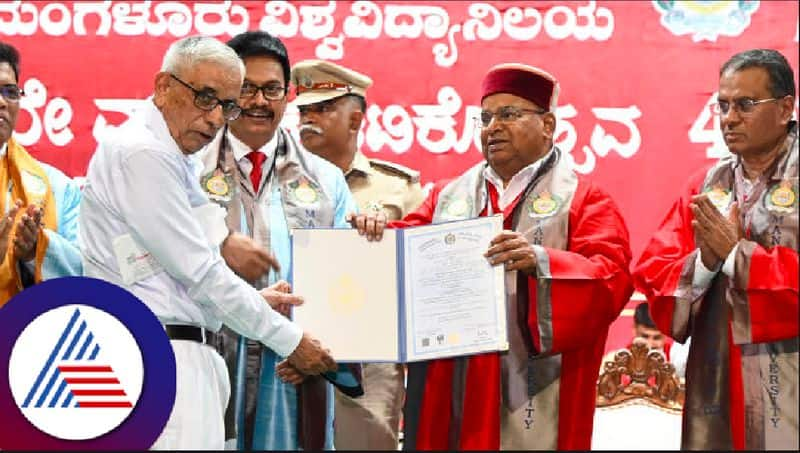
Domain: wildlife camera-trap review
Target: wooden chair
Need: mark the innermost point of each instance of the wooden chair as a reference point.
(639, 402)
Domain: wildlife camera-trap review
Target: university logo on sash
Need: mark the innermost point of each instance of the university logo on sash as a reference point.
(544, 205)
(303, 192)
(782, 197)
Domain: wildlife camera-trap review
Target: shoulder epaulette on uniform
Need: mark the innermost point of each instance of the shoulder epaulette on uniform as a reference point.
(394, 167)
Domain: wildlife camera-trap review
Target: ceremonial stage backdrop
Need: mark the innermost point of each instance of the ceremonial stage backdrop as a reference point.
(636, 77)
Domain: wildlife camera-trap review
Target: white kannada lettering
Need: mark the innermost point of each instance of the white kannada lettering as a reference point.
(101, 9)
(274, 11)
(317, 21)
(700, 133)
(356, 27)
(54, 122)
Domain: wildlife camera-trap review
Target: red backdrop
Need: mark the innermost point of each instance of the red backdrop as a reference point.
(635, 76)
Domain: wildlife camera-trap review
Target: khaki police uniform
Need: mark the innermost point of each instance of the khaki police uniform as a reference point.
(369, 422)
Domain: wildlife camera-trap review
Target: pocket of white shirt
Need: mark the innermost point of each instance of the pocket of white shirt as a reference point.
(134, 261)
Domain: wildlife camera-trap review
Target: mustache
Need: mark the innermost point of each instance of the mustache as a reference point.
(311, 128)
(258, 112)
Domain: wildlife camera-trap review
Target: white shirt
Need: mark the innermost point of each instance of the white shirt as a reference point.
(240, 152)
(140, 183)
(3, 150)
(517, 184)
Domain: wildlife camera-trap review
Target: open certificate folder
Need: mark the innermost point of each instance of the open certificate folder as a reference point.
(420, 293)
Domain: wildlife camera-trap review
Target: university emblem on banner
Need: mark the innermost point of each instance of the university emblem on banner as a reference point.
(782, 197)
(543, 205)
(706, 20)
(720, 198)
(303, 192)
(457, 207)
(218, 185)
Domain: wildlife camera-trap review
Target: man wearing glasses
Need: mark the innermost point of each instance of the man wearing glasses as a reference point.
(38, 204)
(268, 184)
(148, 226)
(566, 254)
(332, 103)
(723, 268)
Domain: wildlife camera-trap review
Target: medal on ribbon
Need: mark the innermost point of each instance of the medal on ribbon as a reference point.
(720, 198)
(457, 208)
(303, 192)
(218, 185)
(782, 197)
(544, 205)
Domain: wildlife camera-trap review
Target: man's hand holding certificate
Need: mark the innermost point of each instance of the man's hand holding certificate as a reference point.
(419, 293)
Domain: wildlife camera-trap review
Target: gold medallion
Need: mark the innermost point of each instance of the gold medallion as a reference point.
(544, 205)
(720, 198)
(216, 185)
(457, 208)
(782, 197)
(304, 193)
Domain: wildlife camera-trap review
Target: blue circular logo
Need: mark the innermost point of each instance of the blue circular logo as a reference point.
(90, 367)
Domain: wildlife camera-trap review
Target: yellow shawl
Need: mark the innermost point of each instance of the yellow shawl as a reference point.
(30, 184)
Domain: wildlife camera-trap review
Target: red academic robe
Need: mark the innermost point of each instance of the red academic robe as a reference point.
(757, 311)
(590, 285)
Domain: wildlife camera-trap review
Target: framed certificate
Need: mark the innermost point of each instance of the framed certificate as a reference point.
(420, 293)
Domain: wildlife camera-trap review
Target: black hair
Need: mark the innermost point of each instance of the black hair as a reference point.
(781, 77)
(262, 44)
(10, 55)
(641, 316)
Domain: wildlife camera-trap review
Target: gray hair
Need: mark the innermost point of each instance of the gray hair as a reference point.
(194, 49)
(781, 77)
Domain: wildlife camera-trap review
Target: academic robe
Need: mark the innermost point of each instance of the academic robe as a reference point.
(301, 191)
(541, 393)
(742, 369)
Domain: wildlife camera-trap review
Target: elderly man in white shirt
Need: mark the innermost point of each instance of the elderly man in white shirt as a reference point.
(142, 227)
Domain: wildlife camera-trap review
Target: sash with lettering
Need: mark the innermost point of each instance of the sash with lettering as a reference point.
(541, 393)
(277, 411)
(742, 371)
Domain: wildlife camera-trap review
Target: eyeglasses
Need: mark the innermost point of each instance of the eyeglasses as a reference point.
(270, 91)
(11, 93)
(505, 114)
(743, 105)
(206, 100)
(318, 107)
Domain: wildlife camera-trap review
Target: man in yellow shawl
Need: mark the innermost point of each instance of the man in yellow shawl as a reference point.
(39, 204)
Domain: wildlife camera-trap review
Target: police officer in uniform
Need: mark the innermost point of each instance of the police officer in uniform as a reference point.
(332, 103)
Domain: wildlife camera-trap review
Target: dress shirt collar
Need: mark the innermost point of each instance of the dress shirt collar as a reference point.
(518, 182)
(240, 150)
(3, 150)
(526, 174)
(155, 122)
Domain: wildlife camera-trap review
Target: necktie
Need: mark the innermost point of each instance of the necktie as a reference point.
(258, 161)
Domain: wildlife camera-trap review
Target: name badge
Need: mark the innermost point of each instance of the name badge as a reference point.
(135, 263)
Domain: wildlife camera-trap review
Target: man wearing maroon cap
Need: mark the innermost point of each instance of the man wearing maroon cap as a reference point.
(565, 250)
